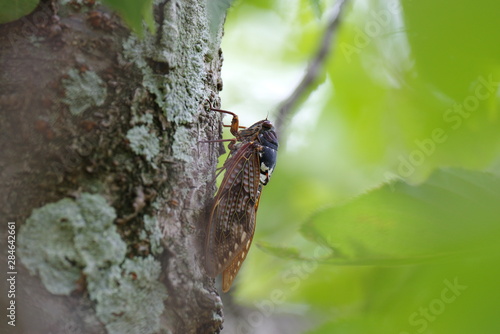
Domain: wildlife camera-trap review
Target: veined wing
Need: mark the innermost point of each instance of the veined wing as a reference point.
(232, 219)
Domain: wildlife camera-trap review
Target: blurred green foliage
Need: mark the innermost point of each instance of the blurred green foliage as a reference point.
(12, 10)
(137, 14)
(364, 227)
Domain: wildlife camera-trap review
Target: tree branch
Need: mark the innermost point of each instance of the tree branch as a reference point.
(312, 71)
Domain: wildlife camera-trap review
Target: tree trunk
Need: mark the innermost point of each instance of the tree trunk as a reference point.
(102, 171)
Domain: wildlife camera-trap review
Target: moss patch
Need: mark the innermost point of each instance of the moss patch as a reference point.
(63, 240)
(129, 298)
(60, 239)
(142, 142)
(173, 65)
(153, 234)
(83, 91)
(47, 245)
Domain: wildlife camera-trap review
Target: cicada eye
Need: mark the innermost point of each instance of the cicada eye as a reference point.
(266, 124)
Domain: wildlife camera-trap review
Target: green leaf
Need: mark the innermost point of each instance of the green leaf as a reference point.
(453, 213)
(452, 217)
(11, 10)
(455, 44)
(134, 12)
(284, 252)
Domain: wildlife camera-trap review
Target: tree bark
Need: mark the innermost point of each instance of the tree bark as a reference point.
(102, 169)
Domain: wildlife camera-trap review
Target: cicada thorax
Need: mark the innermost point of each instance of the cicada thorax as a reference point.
(231, 225)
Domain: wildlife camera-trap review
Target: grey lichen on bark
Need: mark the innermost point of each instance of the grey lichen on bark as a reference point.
(183, 50)
(92, 114)
(62, 240)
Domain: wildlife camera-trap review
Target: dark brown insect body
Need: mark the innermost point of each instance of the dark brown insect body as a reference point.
(231, 225)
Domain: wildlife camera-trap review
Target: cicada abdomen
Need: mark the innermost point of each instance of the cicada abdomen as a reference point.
(231, 224)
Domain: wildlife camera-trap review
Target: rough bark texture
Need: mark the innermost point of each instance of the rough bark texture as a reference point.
(100, 165)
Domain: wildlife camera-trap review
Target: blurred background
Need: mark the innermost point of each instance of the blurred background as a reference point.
(382, 215)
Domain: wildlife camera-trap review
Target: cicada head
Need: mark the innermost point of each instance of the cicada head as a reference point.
(267, 135)
(262, 129)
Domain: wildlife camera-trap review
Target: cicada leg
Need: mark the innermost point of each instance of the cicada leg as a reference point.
(235, 123)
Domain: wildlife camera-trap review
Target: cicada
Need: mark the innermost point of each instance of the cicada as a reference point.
(231, 225)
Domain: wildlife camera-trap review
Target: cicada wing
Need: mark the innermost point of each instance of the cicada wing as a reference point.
(233, 268)
(230, 272)
(232, 220)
